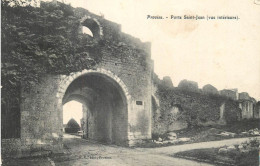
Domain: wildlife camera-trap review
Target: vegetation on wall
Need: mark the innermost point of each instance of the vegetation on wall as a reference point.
(41, 40)
(47, 40)
(37, 41)
(195, 108)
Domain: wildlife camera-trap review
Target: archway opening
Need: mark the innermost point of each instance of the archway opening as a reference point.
(104, 113)
(175, 116)
(91, 27)
(72, 118)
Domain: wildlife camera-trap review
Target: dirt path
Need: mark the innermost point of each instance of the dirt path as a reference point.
(201, 145)
(92, 154)
(80, 152)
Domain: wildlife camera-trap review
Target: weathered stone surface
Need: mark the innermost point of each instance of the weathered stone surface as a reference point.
(254, 132)
(174, 141)
(247, 108)
(244, 96)
(229, 93)
(227, 134)
(222, 151)
(172, 134)
(165, 142)
(171, 138)
(184, 139)
(187, 85)
(176, 105)
(167, 82)
(244, 133)
(257, 110)
(119, 109)
(240, 147)
(209, 89)
(158, 142)
(231, 148)
(175, 113)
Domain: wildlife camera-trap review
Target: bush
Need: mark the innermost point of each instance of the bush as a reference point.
(250, 158)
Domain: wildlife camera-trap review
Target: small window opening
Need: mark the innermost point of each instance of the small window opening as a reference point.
(91, 28)
(87, 31)
(139, 103)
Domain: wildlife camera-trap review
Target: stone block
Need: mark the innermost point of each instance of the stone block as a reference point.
(231, 148)
(222, 151)
(184, 139)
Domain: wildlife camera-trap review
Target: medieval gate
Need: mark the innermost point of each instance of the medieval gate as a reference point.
(116, 93)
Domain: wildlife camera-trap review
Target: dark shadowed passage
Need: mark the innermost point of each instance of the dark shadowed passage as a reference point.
(104, 107)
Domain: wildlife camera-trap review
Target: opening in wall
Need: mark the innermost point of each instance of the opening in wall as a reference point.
(139, 102)
(91, 27)
(87, 31)
(72, 117)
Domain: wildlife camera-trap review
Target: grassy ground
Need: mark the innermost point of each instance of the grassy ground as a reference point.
(243, 125)
(236, 127)
(212, 156)
(204, 134)
(201, 134)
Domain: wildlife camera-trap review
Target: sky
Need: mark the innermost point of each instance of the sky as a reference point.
(223, 53)
(72, 109)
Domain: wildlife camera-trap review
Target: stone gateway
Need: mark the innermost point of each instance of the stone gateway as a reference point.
(116, 96)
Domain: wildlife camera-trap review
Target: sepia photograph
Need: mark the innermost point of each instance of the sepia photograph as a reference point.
(130, 83)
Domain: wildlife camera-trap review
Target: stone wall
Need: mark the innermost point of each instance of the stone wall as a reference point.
(247, 107)
(244, 96)
(233, 94)
(180, 109)
(209, 89)
(187, 105)
(125, 60)
(41, 123)
(257, 110)
(167, 82)
(187, 85)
